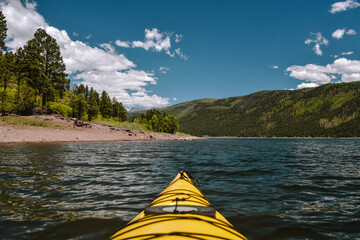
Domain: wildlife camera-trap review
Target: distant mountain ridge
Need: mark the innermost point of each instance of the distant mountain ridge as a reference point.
(331, 110)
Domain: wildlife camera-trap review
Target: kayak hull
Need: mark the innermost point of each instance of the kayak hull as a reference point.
(180, 211)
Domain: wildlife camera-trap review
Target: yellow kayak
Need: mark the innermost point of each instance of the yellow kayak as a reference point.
(180, 211)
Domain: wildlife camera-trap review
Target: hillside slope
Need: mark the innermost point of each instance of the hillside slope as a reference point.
(327, 111)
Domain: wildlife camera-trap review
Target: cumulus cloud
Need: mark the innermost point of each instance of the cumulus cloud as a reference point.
(317, 49)
(22, 22)
(307, 85)
(122, 44)
(339, 33)
(342, 69)
(318, 40)
(101, 68)
(310, 73)
(351, 32)
(344, 6)
(156, 41)
(350, 77)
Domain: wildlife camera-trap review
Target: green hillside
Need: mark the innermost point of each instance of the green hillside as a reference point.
(327, 111)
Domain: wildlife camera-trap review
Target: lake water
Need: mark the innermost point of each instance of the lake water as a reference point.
(267, 188)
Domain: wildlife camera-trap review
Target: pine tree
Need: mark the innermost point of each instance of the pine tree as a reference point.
(33, 67)
(122, 113)
(119, 111)
(54, 66)
(95, 95)
(18, 71)
(7, 65)
(105, 105)
(79, 106)
(3, 30)
(93, 110)
(115, 107)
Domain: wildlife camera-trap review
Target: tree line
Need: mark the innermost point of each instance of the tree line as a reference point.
(89, 103)
(156, 121)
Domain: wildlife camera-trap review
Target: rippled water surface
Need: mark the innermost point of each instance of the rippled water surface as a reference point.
(268, 188)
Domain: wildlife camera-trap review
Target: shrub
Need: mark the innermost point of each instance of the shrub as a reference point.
(63, 109)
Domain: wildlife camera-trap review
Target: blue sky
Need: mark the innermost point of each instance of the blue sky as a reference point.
(196, 49)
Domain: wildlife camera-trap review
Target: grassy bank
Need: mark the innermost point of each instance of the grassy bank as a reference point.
(133, 126)
(126, 124)
(24, 121)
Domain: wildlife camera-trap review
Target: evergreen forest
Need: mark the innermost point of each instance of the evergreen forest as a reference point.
(331, 110)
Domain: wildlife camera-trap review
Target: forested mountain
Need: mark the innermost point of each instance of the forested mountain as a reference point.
(331, 110)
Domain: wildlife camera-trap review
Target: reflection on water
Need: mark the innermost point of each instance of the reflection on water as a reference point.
(268, 188)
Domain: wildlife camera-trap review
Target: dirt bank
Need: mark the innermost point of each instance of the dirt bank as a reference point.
(64, 130)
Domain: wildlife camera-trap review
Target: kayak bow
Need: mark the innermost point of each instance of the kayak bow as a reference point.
(180, 211)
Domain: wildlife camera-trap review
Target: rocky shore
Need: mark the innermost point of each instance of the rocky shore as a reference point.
(71, 130)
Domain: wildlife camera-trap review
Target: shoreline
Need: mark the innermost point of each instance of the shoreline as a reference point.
(62, 130)
(230, 137)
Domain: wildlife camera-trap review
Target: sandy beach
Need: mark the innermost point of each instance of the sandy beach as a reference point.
(64, 130)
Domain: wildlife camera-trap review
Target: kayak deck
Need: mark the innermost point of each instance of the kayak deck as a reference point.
(180, 211)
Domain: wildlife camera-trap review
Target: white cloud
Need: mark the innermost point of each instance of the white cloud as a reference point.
(22, 22)
(343, 6)
(317, 49)
(347, 53)
(345, 66)
(122, 44)
(274, 66)
(88, 36)
(350, 77)
(345, 69)
(318, 40)
(339, 33)
(156, 41)
(164, 69)
(101, 68)
(310, 73)
(75, 34)
(108, 47)
(307, 85)
(351, 32)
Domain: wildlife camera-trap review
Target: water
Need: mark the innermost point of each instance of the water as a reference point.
(268, 188)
